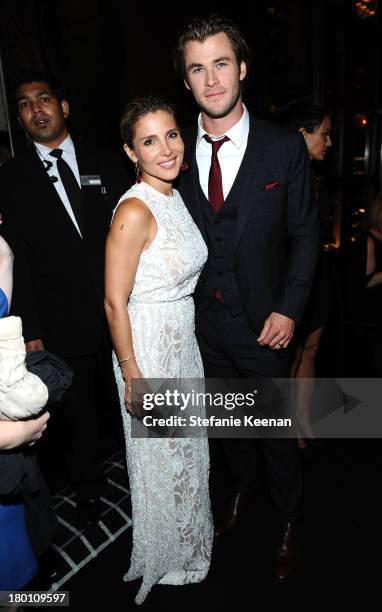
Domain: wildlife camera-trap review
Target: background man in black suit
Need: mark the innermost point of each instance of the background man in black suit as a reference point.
(57, 201)
(248, 190)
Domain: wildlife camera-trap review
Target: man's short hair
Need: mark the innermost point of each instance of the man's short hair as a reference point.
(30, 76)
(202, 28)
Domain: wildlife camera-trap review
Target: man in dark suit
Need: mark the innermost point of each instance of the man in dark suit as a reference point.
(248, 190)
(57, 202)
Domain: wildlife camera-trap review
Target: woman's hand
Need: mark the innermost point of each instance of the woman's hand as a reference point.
(130, 370)
(18, 433)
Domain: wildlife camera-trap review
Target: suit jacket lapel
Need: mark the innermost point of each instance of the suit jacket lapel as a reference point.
(190, 186)
(50, 203)
(85, 160)
(250, 177)
(88, 165)
(250, 174)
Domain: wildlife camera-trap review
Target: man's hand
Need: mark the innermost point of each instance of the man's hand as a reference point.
(34, 345)
(277, 331)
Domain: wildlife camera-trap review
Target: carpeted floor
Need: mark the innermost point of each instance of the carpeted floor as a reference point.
(339, 570)
(341, 565)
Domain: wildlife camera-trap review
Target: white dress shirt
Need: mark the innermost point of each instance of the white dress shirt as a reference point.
(230, 154)
(69, 156)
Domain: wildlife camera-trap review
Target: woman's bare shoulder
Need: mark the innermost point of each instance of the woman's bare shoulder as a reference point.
(133, 211)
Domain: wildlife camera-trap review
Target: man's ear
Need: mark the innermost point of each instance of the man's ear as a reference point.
(187, 85)
(23, 128)
(243, 71)
(65, 108)
(130, 153)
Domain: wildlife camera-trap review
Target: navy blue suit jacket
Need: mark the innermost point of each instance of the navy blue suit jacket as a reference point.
(277, 231)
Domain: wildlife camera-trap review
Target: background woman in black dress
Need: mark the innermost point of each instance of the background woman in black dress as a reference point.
(374, 284)
(315, 126)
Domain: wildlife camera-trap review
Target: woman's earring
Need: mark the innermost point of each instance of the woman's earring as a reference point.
(138, 173)
(184, 166)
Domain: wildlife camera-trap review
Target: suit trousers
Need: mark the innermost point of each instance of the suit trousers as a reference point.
(229, 350)
(92, 393)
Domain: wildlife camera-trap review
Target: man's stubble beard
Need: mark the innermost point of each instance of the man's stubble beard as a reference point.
(225, 111)
(52, 136)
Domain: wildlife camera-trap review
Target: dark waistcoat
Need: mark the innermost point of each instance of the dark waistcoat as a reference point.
(219, 273)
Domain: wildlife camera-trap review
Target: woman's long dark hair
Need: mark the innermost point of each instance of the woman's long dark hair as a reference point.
(301, 113)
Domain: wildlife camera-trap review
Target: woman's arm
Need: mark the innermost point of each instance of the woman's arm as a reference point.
(6, 267)
(132, 229)
(374, 277)
(18, 433)
(370, 258)
(375, 280)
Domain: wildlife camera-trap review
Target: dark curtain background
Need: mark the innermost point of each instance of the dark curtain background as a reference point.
(106, 52)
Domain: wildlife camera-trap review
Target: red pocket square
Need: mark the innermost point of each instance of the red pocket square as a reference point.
(269, 186)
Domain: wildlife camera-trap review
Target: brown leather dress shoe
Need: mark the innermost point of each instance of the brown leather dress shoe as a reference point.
(288, 552)
(228, 518)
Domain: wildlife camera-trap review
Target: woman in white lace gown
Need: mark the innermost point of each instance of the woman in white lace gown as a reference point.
(154, 256)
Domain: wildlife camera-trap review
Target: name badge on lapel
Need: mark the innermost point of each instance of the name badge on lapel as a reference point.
(90, 180)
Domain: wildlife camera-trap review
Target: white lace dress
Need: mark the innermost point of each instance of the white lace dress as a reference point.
(172, 522)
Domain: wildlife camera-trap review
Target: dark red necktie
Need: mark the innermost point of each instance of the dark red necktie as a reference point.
(215, 185)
